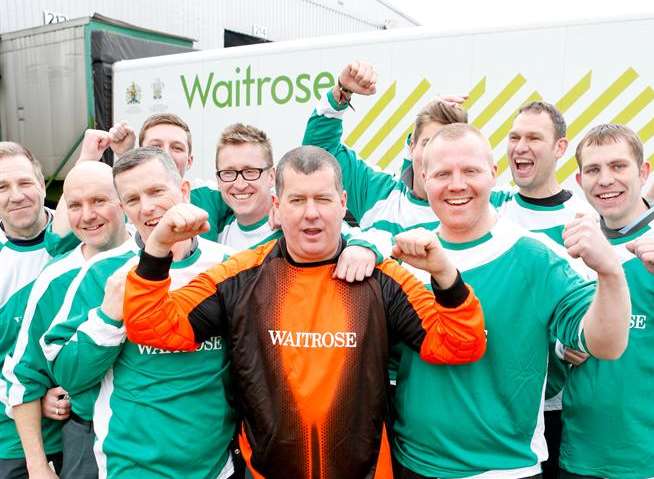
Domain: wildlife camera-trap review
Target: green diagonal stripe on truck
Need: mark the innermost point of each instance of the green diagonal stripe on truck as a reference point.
(499, 101)
(395, 118)
(499, 134)
(395, 148)
(634, 107)
(590, 113)
(574, 93)
(371, 116)
(475, 94)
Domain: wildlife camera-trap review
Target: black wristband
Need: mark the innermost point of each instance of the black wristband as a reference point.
(453, 296)
(154, 268)
(345, 95)
(342, 88)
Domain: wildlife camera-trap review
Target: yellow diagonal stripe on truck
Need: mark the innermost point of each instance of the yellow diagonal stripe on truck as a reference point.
(475, 94)
(372, 115)
(564, 103)
(395, 118)
(387, 158)
(499, 134)
(574, 93)
(634, 107)
(499, 101)
(646, 132)
(395, 148)
(590, 113)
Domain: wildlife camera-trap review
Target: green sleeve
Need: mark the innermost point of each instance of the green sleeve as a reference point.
(364, 185)
(367, 239)
(570, 295)
(499, 197)
(90, 352)
(209, 199)
(31, 374)
(83, 347)
(11, 316)
(56, 245)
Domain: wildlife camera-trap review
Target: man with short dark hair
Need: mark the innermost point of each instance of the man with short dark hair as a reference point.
(309, 352)
(608, 421)
(536, 142)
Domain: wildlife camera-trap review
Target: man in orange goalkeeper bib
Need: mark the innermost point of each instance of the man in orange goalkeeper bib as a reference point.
(308, 351)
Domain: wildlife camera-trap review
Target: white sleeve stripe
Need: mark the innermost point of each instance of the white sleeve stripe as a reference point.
(324, 108)
(101, 333)
(579, 341)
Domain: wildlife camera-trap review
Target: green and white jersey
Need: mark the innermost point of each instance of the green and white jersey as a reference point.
(11, 315)
(81, 380)
(485, 419)
(26, 369)
(549, 218)
(375, 199)
(608, 419)
(240, 237)
(205, 195)
(23, 260)
(149, 396)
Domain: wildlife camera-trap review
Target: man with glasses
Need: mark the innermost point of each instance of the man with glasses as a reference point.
(245, 175)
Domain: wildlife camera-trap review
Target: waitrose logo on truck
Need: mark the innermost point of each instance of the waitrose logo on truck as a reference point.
(247, 89)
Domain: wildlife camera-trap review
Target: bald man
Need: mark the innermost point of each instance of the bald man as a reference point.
(96, 218)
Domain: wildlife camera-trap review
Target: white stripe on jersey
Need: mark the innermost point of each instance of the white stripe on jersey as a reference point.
(74, 260)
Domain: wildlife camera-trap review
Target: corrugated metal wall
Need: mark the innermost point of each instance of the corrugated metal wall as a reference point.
(205, 20)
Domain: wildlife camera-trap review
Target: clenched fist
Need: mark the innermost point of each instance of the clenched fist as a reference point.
(123, 138)
(583, 239)
(181, 222)
(420, 248)
(359, 77)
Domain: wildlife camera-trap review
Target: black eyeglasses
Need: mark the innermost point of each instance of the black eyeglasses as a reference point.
(248, 174)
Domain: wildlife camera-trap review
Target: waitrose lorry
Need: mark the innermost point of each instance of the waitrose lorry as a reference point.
(595, 71)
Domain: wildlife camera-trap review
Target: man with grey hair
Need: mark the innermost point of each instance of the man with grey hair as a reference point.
(182, 398)
(30, 236)
(303, 343)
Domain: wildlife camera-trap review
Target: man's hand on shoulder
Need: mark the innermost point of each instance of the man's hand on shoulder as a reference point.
(355, 264)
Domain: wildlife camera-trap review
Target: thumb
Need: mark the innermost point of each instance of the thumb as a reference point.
(579, 214)
(104, 141)
(631, 247)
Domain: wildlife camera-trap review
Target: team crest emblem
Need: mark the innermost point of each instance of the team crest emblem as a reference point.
(133, 94)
